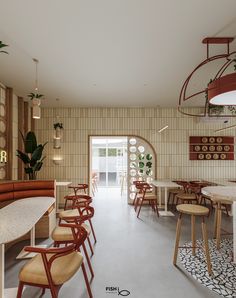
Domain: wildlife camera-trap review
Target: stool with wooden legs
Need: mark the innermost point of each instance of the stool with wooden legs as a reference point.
(81, 187)
(172, 195)
(220, 206)
(80, 202)
(82, 215)
(52, 267)
(67, 233)
(186, 198)
(193, 211)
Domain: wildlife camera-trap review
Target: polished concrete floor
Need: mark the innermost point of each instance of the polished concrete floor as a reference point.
(132, 254)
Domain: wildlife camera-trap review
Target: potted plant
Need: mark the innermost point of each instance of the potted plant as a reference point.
(2, 45)
(32, 157)
(58, 129)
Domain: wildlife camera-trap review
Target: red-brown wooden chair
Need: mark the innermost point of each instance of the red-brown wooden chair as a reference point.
(52, 267)
(82, 216)
(144, 196)
(80, 202)
(77, 189)
(67, 233)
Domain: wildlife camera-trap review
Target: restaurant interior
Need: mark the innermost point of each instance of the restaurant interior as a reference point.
(117, 149)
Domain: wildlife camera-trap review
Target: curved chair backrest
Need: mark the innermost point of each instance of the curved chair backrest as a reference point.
(78, 231)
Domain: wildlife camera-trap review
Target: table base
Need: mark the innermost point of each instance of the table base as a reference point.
(166, 213)
(10, 293)
(28, 255)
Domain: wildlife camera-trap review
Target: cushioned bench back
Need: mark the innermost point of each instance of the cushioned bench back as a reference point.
(24, 189)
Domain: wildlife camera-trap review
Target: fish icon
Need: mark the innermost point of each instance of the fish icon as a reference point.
(123, 292)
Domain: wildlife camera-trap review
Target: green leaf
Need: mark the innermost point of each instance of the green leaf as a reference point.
(30, 142)
(38, 166)
(24, 157)
(37, 154)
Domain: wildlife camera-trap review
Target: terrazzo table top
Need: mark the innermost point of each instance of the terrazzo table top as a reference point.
(18, 218)
(222, 192)
(164, 183)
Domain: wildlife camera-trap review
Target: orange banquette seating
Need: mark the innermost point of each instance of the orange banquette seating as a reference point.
(15, 190)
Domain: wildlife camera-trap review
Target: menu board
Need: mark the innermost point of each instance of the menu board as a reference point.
(211, 148)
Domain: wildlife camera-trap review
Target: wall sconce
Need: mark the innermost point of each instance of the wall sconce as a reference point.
(57, 160)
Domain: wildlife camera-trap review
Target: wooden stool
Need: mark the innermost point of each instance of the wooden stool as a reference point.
(193, 210)
(221, 205)
(172, 194)
(188, 198)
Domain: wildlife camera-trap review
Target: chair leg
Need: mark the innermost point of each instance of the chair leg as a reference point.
(205, 239)
(178, 230)
(43, 292)
(91, 225)
(136, 203)
(86, 281)
(193, 235)
(65, 206)
(156, 205)
(141, 203)
(90, 246)
(20, 289)
(218, 228)
(88, 260)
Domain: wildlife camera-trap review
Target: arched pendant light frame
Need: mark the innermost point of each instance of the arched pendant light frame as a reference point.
(210, 88)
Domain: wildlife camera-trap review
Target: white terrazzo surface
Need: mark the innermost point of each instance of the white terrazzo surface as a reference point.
(164, 183)
(222, 192)
(19, 217)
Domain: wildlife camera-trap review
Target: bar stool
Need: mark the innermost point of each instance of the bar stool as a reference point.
(186, 198)
(221, 205)
(78, 188)
(193, 210)
(172, 194)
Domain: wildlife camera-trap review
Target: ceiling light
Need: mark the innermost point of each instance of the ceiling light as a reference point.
(163, 128)
(219, 90)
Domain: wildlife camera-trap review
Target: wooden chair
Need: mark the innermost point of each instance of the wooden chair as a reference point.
(193, 211)
(76, 190)
(82, 214)
(143, 196)
(52, 267)
(67, 233)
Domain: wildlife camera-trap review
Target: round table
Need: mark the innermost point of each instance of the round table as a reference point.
(224, 193)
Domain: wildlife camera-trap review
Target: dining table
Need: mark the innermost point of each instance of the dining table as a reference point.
(164, 184)
(16, 220)
(225, 193)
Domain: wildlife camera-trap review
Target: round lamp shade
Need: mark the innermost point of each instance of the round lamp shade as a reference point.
(222, 91)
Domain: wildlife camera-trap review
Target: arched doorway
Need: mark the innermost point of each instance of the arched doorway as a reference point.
(117, 161)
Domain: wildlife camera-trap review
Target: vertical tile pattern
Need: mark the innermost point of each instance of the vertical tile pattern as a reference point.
(171, 145)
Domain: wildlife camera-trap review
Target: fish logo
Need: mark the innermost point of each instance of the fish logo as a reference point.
(123, 292)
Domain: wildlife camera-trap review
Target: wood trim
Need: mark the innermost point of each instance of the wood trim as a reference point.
(26, 117)
(9, 103)
(20, 142)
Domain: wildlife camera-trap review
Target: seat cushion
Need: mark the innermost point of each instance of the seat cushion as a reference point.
(69, 213)
(65, 234)
(63, 268)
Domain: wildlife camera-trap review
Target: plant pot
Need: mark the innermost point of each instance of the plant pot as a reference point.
(58, 133)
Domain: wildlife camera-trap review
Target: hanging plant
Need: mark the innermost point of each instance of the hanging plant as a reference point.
(58, 125)
(35, 95)
(3, 45)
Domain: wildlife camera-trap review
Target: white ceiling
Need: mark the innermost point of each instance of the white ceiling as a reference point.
(108, 52)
